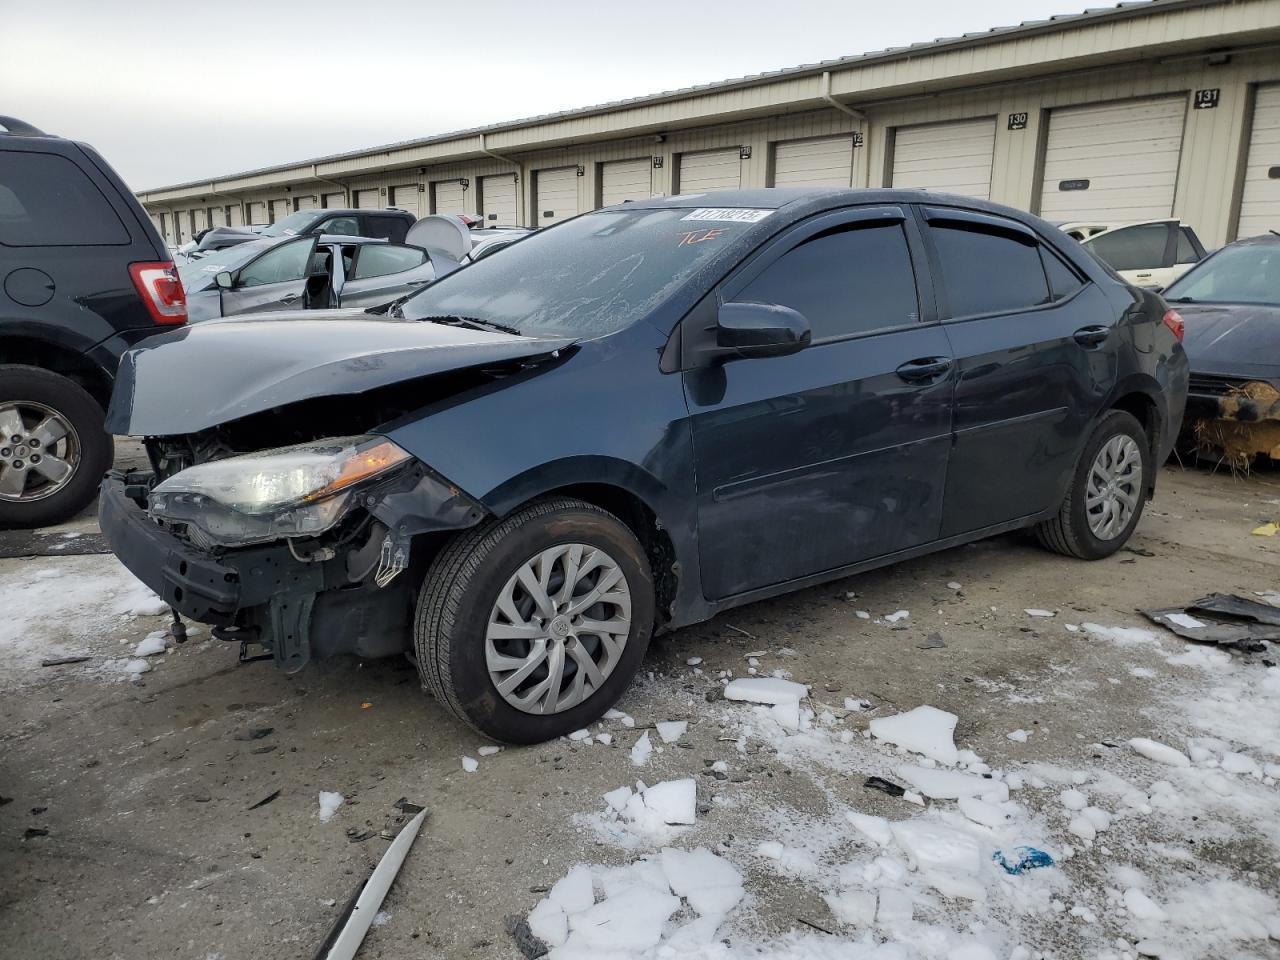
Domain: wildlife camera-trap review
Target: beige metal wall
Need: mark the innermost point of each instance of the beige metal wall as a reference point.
(1210, 168)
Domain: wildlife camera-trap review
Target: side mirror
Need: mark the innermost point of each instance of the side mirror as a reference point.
(224, 280)
(760, 330)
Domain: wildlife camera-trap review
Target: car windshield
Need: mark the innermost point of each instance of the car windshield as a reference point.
(1248, 273)
(199, 273)
(292, 225)
(587, 277)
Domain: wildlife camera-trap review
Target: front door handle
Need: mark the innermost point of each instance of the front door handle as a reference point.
(1091, 336)
(924, 369)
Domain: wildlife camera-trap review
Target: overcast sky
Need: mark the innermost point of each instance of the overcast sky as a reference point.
(179, 91)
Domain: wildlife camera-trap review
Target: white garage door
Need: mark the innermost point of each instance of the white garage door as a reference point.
(217, 217)
(199, 220)
(1260, 201)
(257, 212)
(814, 163)
(626, 180)
(557, 193)
(307, 202)
(1113, 163)
(235, 216)
(406, 198)
(498, 197)
(368, 199)
(946, 157)
(450, 197)
(333, 201)
(713, 170)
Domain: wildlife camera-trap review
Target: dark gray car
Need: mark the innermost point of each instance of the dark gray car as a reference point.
(308, 272)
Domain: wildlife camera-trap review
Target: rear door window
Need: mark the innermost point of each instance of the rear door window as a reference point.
(286, 262)
(1062, 279)
(379, 260)
(987, 270)
(1133, 248)
(844, 281)
(340, 227)
(48, 201)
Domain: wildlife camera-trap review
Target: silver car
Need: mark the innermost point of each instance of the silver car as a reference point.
(301, 273)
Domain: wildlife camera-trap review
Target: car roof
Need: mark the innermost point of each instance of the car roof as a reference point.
(1261, 240)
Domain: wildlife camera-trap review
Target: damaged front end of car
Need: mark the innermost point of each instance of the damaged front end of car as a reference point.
(297, 550)
(278, 506)
(1233, 420)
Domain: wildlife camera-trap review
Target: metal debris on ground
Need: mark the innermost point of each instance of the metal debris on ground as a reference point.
(1224, 619)
(63, 661)
(884, 786)
(932, 642)
(404, 805)
(345, 939)
(265, 800)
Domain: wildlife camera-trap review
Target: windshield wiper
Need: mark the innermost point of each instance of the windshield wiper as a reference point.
(473, 323)
(1180, 300)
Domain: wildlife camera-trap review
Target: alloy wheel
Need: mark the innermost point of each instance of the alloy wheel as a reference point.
(39, 451)
(558, 628)
(1115, 484)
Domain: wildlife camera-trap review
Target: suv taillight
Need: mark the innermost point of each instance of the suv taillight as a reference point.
(1173, 320)
(161, 290)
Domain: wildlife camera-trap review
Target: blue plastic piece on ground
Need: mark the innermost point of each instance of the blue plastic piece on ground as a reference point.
(1020, 859)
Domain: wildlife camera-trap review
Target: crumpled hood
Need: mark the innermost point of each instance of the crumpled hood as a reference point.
(214, 372)
(1232, 340)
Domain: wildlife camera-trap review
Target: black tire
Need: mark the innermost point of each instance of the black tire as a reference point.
(462, 586)
(1068, 533)
(74, 404)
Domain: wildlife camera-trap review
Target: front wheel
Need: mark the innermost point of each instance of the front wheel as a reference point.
(1107, 492)
(532, 627)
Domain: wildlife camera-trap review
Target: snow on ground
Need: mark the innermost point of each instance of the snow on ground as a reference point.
(1032, 860)
(72, 606)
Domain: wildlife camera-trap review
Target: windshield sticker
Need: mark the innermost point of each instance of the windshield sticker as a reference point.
(699, 236)
(727, 214)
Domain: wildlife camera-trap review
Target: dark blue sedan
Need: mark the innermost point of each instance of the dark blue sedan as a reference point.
(632, 421)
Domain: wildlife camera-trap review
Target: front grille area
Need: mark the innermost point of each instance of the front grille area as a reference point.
(1216, 386)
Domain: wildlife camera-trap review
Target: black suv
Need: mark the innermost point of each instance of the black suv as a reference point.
(85, 276)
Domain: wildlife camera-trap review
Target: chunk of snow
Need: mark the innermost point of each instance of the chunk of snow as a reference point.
(329, 804)
(580, 735)
(548, 923)
(150, 646)
(470, 764)
(1073, 799)
(1143, 907)
(953, 585)
(787, 715)
(617, 799)
(672, 730)
(573, 892)
(1162, 753)
(1018, 736)
(1082, 828)
(933, 846)
(1037, 612)
(640, 752)
(489, 751)
(979, 811)
(854, 908)
(765, 690)
(632, 923)
(862, 614)
(925, 730)
(894, 908)
(605, 738)
(1239, 763)
(693, 661)
(675, 801)
(711, 884)
(896, 616)
(875, 829)
(952, 784)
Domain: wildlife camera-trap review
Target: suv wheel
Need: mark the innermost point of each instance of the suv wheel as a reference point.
(532, 627)
(53, 449)
(1107, 492)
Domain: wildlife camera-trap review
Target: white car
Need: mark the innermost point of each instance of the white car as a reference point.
(1150, 254)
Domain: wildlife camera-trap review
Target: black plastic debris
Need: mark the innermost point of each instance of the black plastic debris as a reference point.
(404, 805)
(530, 947)
(359, 836)
(884, 786)
(31, 832)
(265, 800)
(1226, 620)
(254, 733)
(62, 661)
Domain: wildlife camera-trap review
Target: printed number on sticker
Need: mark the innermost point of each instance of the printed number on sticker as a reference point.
(727, 214)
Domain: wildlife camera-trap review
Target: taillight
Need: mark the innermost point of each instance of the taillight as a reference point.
(161, 290)
(1173, 320)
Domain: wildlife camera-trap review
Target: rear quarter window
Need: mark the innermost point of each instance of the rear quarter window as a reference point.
(48, 201)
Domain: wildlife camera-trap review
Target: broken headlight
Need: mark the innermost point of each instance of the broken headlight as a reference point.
(298, 491)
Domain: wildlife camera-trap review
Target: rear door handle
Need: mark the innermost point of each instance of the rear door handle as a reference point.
(1091, 336)
(924, 369)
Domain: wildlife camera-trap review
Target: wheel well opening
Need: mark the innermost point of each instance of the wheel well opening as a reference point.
(643, 522)
(1144, 410)
(70, 364)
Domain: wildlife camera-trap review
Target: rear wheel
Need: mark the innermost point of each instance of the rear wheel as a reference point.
(1107, 492)
(532, 627)
(53, 449)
